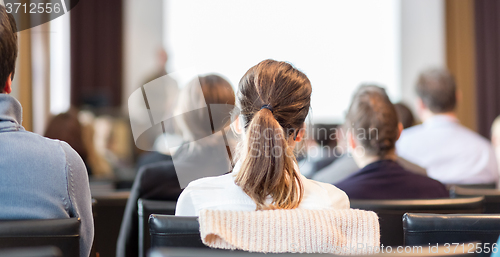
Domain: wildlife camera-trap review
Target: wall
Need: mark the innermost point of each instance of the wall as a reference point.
(422, 42)
(143, 37)
(461, 57)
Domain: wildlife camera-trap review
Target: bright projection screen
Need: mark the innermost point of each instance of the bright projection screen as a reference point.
(338, 44)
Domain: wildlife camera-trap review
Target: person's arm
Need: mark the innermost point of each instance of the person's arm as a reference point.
(80, 199)
(185, 206)
(340, 200)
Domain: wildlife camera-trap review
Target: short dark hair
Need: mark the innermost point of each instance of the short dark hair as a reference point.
(437, 89)
(8, 46)
(373, 120)
(405, 115)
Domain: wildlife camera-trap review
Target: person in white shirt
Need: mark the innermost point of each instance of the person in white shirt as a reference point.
(450, 152)
(495, 138)
(274, 98)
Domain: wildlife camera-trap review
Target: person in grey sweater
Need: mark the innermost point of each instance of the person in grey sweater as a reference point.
(40, 178)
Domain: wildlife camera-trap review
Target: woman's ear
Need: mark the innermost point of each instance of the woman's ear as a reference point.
(237, 125)
(351, 143)
(301, 133)
(400, 128)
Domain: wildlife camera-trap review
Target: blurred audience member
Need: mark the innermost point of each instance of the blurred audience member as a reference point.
(373, 129)
(161, 92)
(40, 178)
(322, 149)
(495, 138)
(97, 162)
(450, 152)
(68, 128)
(405, 115)
(345, 165)
(113, 141)
(159, 181)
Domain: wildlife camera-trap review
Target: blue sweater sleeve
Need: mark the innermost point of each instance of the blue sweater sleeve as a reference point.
(81, 200)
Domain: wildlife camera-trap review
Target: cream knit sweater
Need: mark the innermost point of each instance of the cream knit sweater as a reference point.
(347, 231)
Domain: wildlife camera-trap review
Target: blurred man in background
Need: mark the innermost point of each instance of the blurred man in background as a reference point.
(450, 152)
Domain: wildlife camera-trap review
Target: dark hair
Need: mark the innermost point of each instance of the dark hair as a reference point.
(66, 127)
(405, 116)
(8, 46)
(437, 89)
(275, 99)
(373, 121)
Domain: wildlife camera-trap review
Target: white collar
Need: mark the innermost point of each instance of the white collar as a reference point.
(237, 167)
(440, 119)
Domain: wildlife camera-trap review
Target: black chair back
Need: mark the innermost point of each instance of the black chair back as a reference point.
(145, 209)
(174, 231)
(108, 209)
(391, 212)
(476, 186)
(199, 252)
(47, 251)
(424, 229)
(491, 196)
(61, 233)
(210, 252)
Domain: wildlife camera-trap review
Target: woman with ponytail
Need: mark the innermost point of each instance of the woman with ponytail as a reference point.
(274, 99)
(372, 131)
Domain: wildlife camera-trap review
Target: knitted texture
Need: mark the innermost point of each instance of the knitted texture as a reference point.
(344, 232)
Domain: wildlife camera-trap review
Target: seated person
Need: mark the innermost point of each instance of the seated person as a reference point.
(373, 129)
(320, 149)
(405, 115)
(162, 180)
(495, 138)
(450, 152)
(345, 165)
(40, 178)
(274, 98)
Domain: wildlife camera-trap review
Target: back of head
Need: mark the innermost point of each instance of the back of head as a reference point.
(274, 98)
(405, 116)
(8, 46)
(437, 89)
(66, 127)
(192, 118)
(373, 121)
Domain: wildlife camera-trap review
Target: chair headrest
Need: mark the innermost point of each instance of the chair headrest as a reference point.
(170, 224)
(422, 222)
(52, 227)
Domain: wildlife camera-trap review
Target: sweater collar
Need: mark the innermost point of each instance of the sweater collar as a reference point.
(10, 110)
(375, 166)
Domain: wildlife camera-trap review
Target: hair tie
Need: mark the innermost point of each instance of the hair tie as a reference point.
(267, 106)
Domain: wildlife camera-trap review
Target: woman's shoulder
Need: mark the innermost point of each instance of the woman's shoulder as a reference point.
(215, 181)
